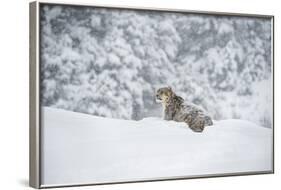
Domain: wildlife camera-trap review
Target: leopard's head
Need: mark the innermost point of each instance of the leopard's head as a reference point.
(164, 94)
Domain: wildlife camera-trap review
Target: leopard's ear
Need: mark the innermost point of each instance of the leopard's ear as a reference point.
(180, 99)
(170, 88)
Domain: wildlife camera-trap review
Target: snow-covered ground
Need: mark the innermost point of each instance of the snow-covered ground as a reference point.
(79, 148)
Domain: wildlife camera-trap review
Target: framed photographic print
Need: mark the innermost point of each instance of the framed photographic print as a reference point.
(126, 94)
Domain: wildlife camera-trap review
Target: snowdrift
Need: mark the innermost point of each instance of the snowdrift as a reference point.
(80, 148)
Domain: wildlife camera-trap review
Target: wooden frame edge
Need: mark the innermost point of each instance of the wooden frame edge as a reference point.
(34, 133)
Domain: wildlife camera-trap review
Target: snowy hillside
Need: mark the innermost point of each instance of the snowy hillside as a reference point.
(80, 148)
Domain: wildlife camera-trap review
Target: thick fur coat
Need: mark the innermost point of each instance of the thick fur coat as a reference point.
(174, 108)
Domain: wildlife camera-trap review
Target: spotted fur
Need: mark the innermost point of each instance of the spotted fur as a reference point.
(174, 108)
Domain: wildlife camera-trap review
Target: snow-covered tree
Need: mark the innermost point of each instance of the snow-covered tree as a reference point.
(109, 62)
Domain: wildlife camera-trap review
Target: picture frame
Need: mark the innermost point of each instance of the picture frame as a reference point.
(40, 169)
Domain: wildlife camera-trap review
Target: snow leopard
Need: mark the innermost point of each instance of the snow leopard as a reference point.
(175, 108)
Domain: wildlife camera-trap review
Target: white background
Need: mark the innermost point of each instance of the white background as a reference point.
(14, 79)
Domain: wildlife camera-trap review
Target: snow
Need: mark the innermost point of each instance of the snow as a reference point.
(80, 148)
(225, 28)
(208, 60)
